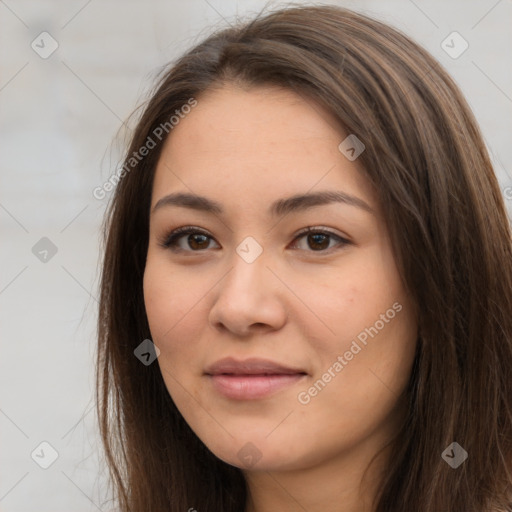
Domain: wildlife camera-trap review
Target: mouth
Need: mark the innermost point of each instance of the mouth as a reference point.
(251, 379)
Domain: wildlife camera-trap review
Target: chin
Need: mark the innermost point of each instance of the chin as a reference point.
(258, 452)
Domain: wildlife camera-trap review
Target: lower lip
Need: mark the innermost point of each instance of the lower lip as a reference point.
(252, 387)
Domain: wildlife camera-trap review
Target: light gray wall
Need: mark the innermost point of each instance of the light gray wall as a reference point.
(59, 116)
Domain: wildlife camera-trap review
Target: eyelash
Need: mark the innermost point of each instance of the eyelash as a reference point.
(170, 240)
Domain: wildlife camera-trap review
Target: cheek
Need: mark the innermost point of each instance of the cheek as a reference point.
(364, 316)
(167, 297)
(347, 300)
(172, 310)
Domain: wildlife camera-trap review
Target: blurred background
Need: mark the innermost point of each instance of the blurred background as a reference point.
(70, 74)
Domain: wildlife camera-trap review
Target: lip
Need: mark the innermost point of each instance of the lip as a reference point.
(251, 366)
(252, 378)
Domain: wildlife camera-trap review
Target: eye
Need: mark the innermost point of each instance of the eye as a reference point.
(319, 239)
(197, 239)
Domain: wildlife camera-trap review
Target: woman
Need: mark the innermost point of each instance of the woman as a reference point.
(307, 286)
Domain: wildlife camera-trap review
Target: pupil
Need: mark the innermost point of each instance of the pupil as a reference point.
(318, 238)
(192, 241)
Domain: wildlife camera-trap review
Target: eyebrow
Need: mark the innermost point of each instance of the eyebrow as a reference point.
(299, 202)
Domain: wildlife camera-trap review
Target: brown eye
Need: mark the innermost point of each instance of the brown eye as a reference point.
(191, 239)
(195, 241)
(317, 241)
(320, 240)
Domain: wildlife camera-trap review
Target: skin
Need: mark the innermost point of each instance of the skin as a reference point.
(246, 148)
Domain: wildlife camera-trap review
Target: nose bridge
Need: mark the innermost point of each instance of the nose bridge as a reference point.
(248, 265)
(247, 296)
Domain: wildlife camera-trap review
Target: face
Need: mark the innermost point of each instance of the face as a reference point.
(281, 347)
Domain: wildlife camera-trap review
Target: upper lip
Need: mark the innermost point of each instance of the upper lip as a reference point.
(251, 366)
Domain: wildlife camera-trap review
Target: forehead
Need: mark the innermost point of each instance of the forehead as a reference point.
(259, 142)
(243, 121)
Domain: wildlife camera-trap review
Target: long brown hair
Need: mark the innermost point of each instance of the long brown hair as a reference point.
(450, 234)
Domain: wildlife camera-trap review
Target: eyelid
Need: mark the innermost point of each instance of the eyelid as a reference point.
(343, 241)
(175, 234)
(320, 229)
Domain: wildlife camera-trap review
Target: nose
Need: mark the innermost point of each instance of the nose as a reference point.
(250, 299)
